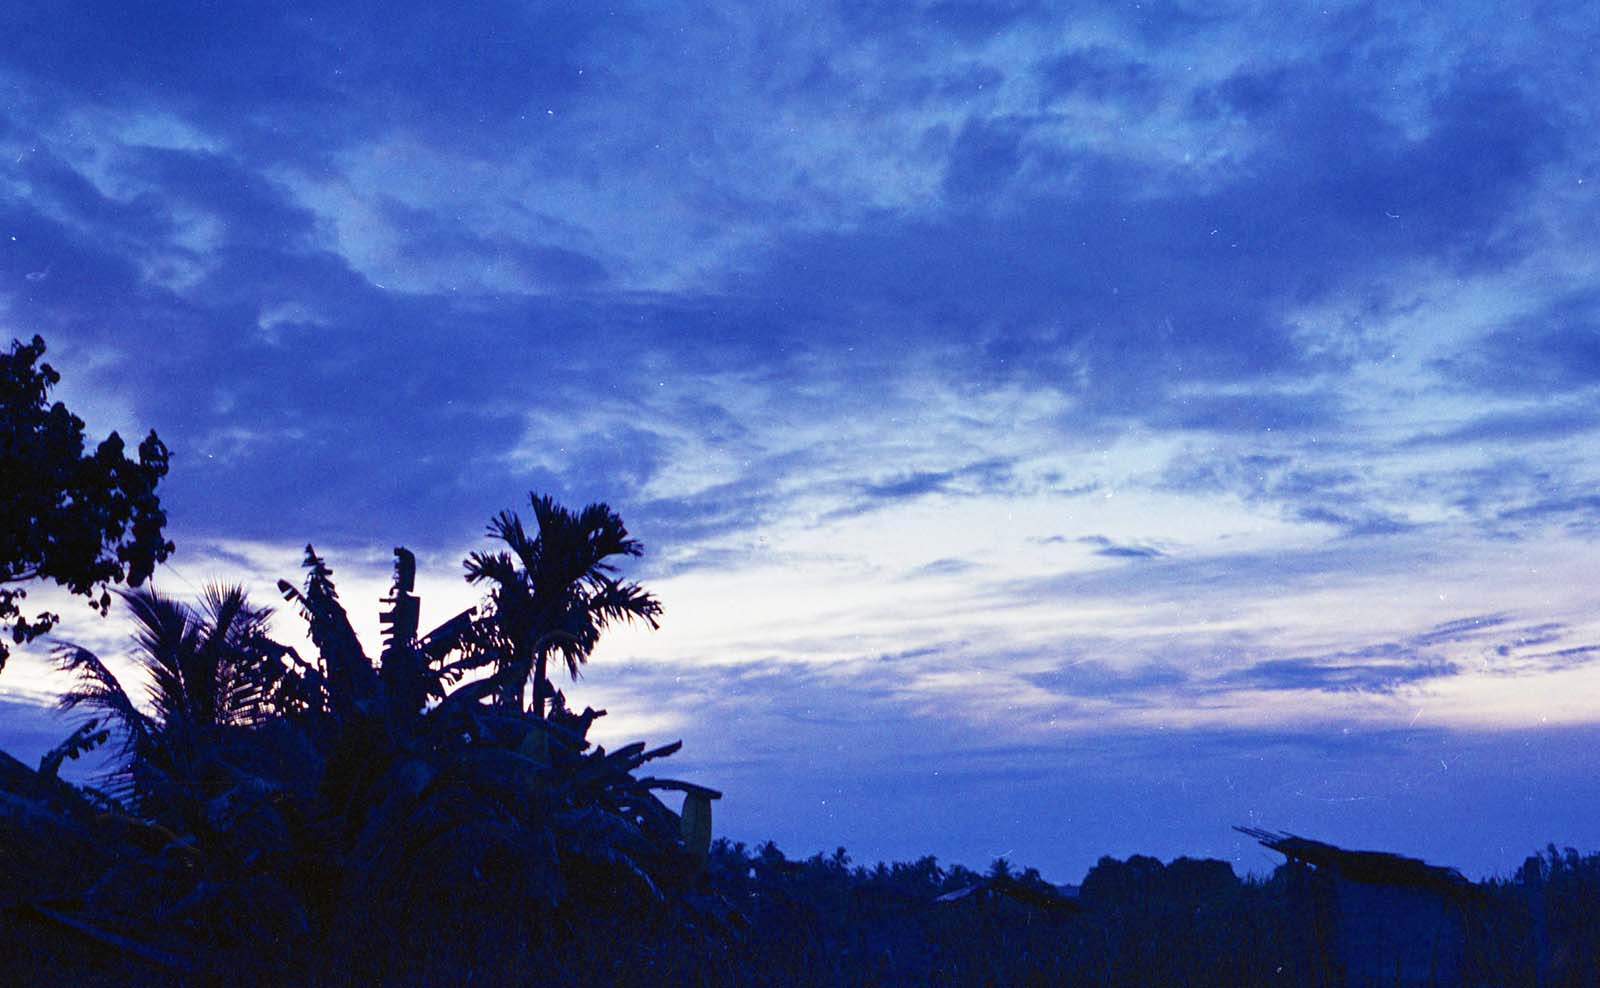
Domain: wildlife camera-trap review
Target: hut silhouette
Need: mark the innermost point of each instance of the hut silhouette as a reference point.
(1371, 918)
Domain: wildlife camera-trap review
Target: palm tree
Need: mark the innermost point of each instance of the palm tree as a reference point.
(554, 593)
(197, 663)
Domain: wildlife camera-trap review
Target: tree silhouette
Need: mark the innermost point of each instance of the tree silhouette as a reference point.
(553, 593)
(198, 664)
(84, 521)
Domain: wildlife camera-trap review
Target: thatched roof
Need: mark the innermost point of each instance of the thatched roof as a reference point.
(1035, 896)
(1369, 867)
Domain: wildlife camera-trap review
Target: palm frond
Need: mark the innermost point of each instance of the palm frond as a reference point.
(165, 630)
(97, 688)
(563, 594)
(606, 536)
(507, 527)
(624, 602)
(496, 567)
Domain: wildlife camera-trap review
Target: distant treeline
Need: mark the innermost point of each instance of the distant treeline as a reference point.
(1189, 922)
(757, 917)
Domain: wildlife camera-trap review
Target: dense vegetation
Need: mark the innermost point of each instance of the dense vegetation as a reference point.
(290, 817)
(84, 522)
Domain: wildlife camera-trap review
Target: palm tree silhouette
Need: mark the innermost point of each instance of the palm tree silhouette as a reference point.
(197, 664)
(554, 593)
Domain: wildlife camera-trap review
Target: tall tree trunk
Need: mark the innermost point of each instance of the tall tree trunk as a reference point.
(541, 661)
(515, 685)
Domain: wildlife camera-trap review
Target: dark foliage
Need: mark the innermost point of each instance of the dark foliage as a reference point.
(83, 521)
(554, 593)
(200, 668)
(282, 820)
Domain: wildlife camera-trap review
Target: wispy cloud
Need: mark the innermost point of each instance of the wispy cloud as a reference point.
(1105, 547)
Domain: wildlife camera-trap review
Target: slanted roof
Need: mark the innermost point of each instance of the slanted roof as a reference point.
(1043, 898)
(1370, 867)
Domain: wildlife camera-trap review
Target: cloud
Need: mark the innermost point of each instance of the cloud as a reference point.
(1243, 572)
(1518, 427)
(1106, 547)
(885, 773)
(32, 728)
(1468, 628)
(1328, 677)
(1091, 678)
(985, 156)
(460, 258)
(1580, 513)
(1489, 644)
(1099, 73)
(1254, 413)
(325, 78)
(1553, 350)
(985, 477)
(943, 567)
(1353, 525)
(985, 474)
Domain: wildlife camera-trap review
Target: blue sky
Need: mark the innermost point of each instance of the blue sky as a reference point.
(1053, 433)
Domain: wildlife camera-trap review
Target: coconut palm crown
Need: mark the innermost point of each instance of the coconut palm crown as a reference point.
(197, 663)
(554, 593)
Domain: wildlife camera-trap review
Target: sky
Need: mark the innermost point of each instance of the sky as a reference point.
(1055, 430)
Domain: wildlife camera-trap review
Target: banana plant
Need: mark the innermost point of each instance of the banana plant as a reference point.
(350, 802)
